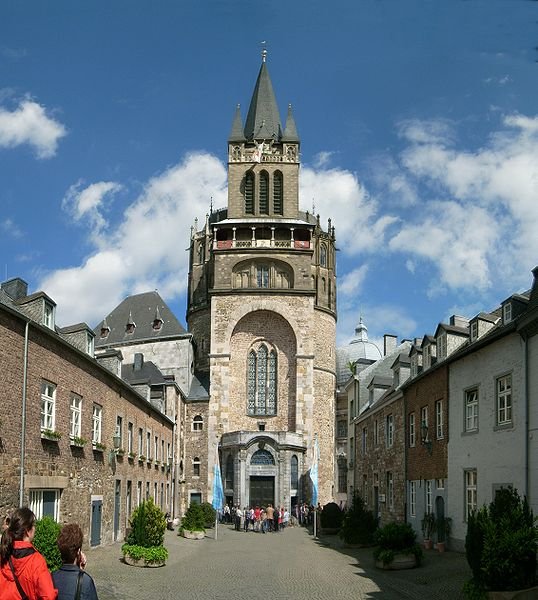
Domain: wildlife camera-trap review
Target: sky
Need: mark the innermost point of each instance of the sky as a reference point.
(418, 122)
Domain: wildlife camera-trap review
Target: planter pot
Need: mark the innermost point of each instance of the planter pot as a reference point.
(528, 594)
(428, 544)
(141, 562)
(193, 535)
(401, 561)
(441, 546)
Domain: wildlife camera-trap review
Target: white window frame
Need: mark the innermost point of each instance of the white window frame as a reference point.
(89, 343)
(428, 496)
(48, 405)
(441, 346)
(414, 365)
(440, 484)
(130, 434)
(426, 356)
(140, 441)
(389, 430)
(507, 312)
(156, 447)
(198, 423)
(48, 315)
(424, 421)
(503, 387)
(148, 444)
(36, 502)
(470, 482)
(413, 498)
(75, 417)
(439, 425)
(97, 423)
(471, 410)
(474, 331)
(196, 467)
(412, 430)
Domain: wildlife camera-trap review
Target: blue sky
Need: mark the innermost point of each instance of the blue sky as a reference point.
(418, 123)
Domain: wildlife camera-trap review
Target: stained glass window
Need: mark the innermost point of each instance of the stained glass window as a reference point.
(251, 381)
(262, 382)
(262, 457)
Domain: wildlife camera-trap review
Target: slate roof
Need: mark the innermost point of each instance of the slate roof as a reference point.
(263, 120)
(74, 328)
(149, 373)
(142, 309)
(199, 391)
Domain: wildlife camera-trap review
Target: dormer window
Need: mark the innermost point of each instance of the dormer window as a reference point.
(426, 356)
(89, 343)
(414, 365)
(105, 330)
(474, 331)
(441, 346)
(157, 324)
(507, 312)
(48, 315)
(131, 325)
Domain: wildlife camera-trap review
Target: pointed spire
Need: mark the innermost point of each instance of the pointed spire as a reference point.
(236, 134)
(263, 120)
(290, 131)
(361, 331)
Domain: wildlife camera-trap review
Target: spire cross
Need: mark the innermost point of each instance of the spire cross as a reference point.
(264, 50)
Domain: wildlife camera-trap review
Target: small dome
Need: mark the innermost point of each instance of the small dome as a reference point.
(359, 348)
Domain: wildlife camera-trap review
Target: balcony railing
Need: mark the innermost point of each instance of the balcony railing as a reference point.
(296, 244)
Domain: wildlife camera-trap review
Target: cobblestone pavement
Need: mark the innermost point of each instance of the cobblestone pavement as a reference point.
(290, 564)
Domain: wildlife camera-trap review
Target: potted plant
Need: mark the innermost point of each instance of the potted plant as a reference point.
(331, 518)
(209, 514)
(397, 547)
(78, 442)
(500, 546)
(359, 524)
(193, 523)
(428, 525)
(50, 435)
(98, 447)
(443, 526)
(144, 546)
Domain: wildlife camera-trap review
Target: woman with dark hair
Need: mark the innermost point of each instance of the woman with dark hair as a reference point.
(23, 570)
(71, 581)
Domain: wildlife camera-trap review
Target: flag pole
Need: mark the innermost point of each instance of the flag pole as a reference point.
(218, 491)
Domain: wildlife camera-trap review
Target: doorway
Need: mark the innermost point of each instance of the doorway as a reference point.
(95, 535)
(262, 490)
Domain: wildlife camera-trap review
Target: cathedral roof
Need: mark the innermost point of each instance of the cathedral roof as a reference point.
(148, 316)
(359, 350)
(236, 134)
(290, 131)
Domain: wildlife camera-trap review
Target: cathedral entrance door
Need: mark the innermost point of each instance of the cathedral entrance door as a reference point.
(262, 490)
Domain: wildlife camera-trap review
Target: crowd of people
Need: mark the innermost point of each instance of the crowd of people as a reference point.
(24, 574)
(265, 519)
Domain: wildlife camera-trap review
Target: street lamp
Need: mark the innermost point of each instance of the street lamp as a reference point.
(424, 439)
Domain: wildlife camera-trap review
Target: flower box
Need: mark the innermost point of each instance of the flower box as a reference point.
(98, 447)
(50, 435)
(131, 456)
(77, 442)
(141, 458)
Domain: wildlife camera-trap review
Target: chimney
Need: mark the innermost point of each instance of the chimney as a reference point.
(389, 343)
(138, 361)
(457, 321)
(15, 288)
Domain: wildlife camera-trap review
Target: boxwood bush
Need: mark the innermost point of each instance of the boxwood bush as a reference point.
(148, 525)
(331, 516)
(46, 541)
(359, 524)
(396, 538)
(193, 519)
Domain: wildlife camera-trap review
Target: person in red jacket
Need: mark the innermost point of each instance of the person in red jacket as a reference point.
(23, 570)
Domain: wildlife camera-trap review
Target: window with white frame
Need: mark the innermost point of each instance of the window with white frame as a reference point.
(439, 425)
(441, 346)
(156, 448)
(504, 400)
(412, 430)
(471, 410)
(424, 422)
(426, 356)
(163, 456)
(129, 437)
(470, 491)
(196, 466)
(119, 430)
(89, 344)
(429, 496)
(148, 444)
(413, 498)
(389, 430)
(97, 423)
(390, 489)
(364, 440)
(414, 365)
(48, 405)
(474, 331)
(138, 493)
(75, 417)
(45, 503)
(140, 441)
(128, 498)
(440, 483)
(341, 428)
(48, 315)
(507, 312)
(197, 423)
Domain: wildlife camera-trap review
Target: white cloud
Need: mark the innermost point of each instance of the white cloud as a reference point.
(351, 283)
(10, 228)
(29, 124)
(88, 203)
(322, 159)
(426, 131)
(339, 196)
(146, 249)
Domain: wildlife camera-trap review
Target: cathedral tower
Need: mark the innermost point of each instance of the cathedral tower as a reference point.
(262, 310)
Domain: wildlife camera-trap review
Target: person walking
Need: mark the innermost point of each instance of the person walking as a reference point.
(71, 581)
(23, 570)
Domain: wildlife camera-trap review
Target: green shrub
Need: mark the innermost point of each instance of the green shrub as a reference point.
(331, 516)
(209, 514)
(148, 525)
(46, 541)
(396, 538)
(193, 519)
(501, 544)
(155, 554)
(359, 523)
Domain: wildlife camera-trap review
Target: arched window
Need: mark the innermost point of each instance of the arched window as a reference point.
(249, 193)
(262, 276)
(264, 193)
(278, 193)
(261, 381)
(294, 472)
(323, 255)
(197, 423)
(262, 457)
(196, 466)
(229, 478)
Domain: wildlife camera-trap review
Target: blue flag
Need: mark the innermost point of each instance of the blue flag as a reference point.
(314, 473)
(218, 491)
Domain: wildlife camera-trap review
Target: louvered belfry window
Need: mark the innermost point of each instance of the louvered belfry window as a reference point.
(278, 201)
(262, 382)
(249, 194)
(264, 193)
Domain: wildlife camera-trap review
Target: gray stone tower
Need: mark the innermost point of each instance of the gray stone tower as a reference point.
(262, 310)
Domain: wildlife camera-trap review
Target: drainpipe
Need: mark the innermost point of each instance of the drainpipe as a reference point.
(526, 396)
(23, 422)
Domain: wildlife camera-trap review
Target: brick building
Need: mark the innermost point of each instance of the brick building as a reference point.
(73, 433)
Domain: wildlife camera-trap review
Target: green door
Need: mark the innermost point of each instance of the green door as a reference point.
(262, 491)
